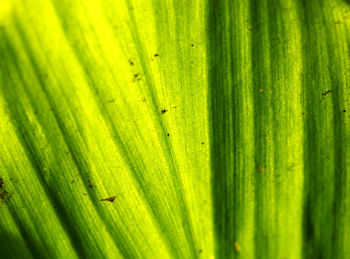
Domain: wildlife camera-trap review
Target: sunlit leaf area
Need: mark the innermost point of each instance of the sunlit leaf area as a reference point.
(175, 129)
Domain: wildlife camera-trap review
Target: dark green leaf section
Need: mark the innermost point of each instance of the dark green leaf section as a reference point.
(279, 90)
(326, 80)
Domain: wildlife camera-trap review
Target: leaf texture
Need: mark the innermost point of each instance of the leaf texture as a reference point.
(174, 129)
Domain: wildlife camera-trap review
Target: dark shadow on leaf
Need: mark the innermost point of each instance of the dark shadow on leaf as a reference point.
(12, 247)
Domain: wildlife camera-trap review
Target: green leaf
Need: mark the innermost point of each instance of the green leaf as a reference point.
(174, 129)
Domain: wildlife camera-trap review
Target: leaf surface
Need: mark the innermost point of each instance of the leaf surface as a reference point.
(174, 129)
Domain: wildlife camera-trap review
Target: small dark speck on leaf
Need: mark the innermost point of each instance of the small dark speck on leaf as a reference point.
(84, 193)
(344, 110)
(327, 92)
(110, 199)
(192, 45)
(137, 75)
(163, 111)
(200, 251)
(90, 184)
(168, 134)
(156, 55)
(131, 62)
(4, 195)
(202, 143)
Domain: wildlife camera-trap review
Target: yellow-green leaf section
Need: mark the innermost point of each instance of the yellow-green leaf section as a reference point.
(174, 129)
